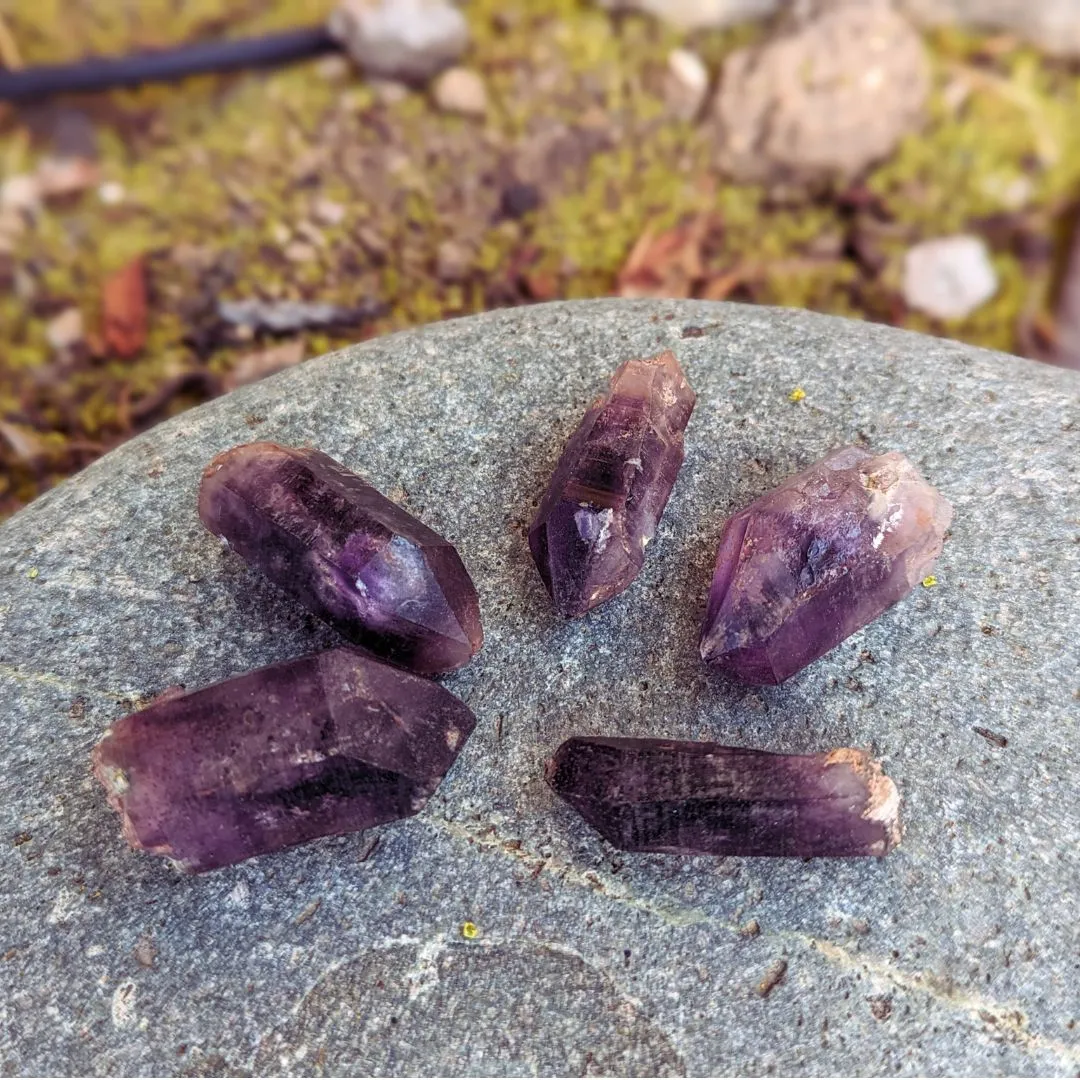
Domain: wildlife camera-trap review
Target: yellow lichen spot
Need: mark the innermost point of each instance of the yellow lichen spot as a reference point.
(929, 581)
(797, 394)
(33, 573)
(469, 930)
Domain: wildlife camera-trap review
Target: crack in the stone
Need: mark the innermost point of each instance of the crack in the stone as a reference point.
(487, 838)
(1009, 1021)
(423, 974)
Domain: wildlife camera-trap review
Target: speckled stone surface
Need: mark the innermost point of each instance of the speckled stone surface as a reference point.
(956, 953)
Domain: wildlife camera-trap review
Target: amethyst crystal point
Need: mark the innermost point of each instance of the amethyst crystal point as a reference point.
(815, 559)
(611, 485)
(700, 798)
(319, 746)
(384, 580)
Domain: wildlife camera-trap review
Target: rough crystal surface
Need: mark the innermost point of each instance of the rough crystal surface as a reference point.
(385, 580)
(815, 559)
(611, 485)
(319, 746)
(701, 798)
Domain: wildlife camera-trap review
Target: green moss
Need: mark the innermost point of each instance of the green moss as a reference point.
(228, 171)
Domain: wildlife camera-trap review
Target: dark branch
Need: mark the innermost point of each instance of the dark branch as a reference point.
(163, 65)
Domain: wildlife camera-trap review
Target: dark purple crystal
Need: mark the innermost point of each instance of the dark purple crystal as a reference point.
(816, 559)
(385, 580)
(701, 798)
(319, 746)
(611, 485)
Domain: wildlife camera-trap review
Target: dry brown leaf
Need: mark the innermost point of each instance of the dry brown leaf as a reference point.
(723, 285)
(258, 365)
(25, 443)
(541, 285)
(10, 56)
(638, 258)
(666, 264)
(123, 303)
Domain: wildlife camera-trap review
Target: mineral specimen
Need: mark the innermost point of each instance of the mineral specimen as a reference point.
(700, 798)
(319, 746)
(611, 485)
(383, 579)
(815, 559)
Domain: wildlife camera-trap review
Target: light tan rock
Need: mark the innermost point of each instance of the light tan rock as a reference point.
(832, 93)
(460, 90)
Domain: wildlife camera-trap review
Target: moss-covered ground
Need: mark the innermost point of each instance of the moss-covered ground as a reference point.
(224, 181)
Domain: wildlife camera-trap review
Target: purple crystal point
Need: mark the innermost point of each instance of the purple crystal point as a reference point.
(815, 559)
(701, 798)
(385, 580)
(611, 485)
(319, 746)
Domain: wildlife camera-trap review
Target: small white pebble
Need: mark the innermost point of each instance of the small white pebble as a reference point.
(1012, 193)
(327, 212)
(333, 68)
(111, 193)
(689, 69)
(299, 252)
(20, 193)
(460, 90)
(688, 83)
(950, 277)
(452, 261)
(65, 330)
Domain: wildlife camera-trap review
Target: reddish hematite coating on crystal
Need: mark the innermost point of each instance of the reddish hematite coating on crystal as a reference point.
(382, 578)
(817, 558)
(700, 798)
(319, 746)
(611, 485)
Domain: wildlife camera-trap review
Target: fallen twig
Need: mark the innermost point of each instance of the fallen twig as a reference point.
(160, 65)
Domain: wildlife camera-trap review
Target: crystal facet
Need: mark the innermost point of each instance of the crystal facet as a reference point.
(319, 746)
(611, 485)
(815, 559)
(385, 580)
(700, 798)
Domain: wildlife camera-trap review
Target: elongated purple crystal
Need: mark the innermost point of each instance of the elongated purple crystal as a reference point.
(611, 485)
(701, 798)
(319, 746)
(816, 559)
(383, 579)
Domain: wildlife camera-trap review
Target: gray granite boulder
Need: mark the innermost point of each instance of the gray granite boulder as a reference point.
(955, 954)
